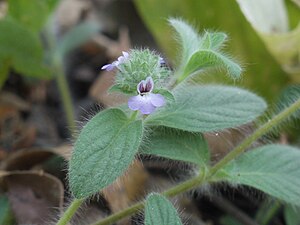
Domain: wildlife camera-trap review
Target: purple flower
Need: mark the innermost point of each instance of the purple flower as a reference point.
(121, 59)
(146, 102)
(161, 61)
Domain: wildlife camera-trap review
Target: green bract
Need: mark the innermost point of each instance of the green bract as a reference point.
(104, 149)
(208, 108)
(159, 211)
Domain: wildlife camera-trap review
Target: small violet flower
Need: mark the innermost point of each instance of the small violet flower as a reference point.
(121, 59)
(161, 61)
(146, 102)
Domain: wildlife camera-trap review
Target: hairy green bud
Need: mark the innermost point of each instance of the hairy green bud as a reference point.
(139, 65)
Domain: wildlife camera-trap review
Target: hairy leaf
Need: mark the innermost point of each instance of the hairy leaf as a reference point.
(287, 97)
(177, 145)
(104, 149)
(274, 169)
(213, 40)
(204, 59)
(201, 53)
(188, 39)
(208, 108)
(158, 210)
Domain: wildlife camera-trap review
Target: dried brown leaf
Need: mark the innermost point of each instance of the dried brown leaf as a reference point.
(35, 197)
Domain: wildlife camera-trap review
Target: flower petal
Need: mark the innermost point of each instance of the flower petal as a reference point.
(135, 102)
(125, 54)
(149, 84)
(141, 87)
(147, 107)
(161, 60)
(123, 58)
(108, 67)
(157, 99)
(142, 103)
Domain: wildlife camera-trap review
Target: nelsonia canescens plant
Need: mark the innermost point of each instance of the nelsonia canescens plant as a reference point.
(166, 116)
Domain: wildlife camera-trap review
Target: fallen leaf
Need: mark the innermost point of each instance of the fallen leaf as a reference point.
(35, 197)
(25, 159)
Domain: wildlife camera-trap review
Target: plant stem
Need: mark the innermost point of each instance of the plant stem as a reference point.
(66, 97)
(268, 209)
(70, 212)
(180, 188)
(196, 181)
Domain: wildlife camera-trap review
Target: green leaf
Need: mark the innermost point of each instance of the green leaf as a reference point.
(274, 169)
(6, 214)
(194, 58)
(159, 211)
(177, 145)
(292, 215)
(213, 40)
(17, 41)
(34, 15)
(287, 97)
(76, 37)
(104, 149)
(22, 49)
(32, 67)
(204, 59)
(208, 108)
(188, 38)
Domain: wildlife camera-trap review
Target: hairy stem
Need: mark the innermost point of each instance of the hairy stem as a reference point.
(180, 188)
(70, 212)
(198, 180)
(275, 121)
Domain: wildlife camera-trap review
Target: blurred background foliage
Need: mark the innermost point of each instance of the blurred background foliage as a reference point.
(262, 73)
